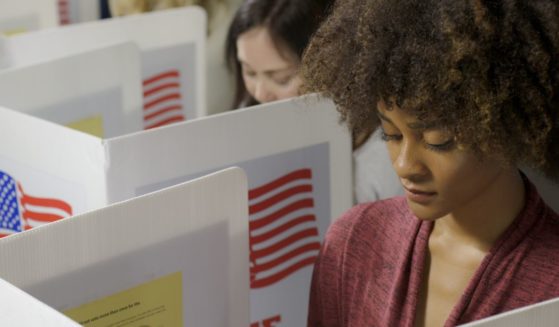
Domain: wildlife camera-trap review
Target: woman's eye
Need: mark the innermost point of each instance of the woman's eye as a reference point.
(284, 80)
(444, 146)
(439, 140)
(249, 73)
(390, 137)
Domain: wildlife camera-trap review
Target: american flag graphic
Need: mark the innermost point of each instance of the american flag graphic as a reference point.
(20, 211)
(284, 235)
(162, 99)
(64, 12)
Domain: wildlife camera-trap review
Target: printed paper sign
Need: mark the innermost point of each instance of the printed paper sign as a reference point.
(92, 125)
(289, 213)
(155, 303)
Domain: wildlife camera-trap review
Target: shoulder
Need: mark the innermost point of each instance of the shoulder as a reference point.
(545, 239)
(373, 222)
(540, 255)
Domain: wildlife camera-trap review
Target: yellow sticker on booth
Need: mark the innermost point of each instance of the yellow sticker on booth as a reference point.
(156, 303)
(15, 31)
(91, 125)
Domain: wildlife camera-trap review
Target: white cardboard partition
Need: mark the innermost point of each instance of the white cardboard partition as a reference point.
(296, 154)
(97, 91)
(172, 44)
(27, 15)
(18, 308)
(297, 159)
(5, 56)
(171, 258)
(544, 314)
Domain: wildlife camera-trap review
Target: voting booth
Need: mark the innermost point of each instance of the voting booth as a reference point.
(27, 15)
(295, 153)
(98, 91)
(169, 258)
(172, 44)
(544, 314)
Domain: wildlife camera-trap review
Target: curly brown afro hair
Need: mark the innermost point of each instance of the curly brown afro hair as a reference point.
(487, 70)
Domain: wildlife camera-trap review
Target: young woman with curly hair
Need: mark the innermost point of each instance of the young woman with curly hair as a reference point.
(464, 93)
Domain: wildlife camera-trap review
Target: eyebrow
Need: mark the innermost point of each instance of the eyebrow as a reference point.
(415, 125)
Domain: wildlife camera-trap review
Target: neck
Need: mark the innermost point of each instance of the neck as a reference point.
(485, 218)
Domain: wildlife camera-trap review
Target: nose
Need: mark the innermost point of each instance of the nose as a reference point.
(262, 93)
(407, 162)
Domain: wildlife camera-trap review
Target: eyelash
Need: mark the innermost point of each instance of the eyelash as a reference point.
(284, 81)
(443, 147)
(389, 137)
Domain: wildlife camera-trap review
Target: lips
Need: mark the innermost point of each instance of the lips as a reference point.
(419, 196)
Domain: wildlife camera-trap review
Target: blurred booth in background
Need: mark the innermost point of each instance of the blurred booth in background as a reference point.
(172, 62)
(220, 14)
(27, 15)
(97, 91)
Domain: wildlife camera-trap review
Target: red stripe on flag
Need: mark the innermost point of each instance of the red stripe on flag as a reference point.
(294, 243)
(310, 232)
(301, 204)
(174, 96)
(263, 205)
(41, 217)
(163, 111)
(173, 74)
(64, 12)
(280, 229)
(161, 88)
(168, 121)
(298, 174)
(311, 247)
(263, 282)
(43, 202)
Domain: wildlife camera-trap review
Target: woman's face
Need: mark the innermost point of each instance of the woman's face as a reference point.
(269, 73)
(438, 176)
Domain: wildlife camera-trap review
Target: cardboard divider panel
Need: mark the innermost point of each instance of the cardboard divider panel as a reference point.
(170, 258)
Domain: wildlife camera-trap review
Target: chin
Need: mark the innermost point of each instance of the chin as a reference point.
(429, 212)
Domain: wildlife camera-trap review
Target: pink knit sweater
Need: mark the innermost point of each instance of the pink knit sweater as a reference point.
(371, 265)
